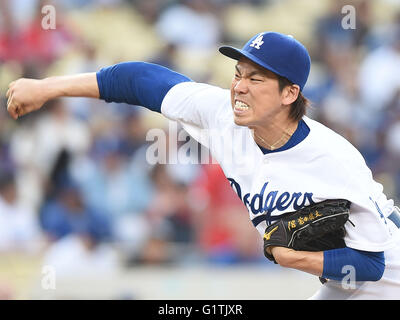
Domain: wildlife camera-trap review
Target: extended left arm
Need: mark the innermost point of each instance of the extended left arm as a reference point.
(136, 83)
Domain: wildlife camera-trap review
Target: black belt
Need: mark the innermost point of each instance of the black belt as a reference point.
(395, 217)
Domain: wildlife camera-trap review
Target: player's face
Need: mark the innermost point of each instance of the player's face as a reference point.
(255, 94)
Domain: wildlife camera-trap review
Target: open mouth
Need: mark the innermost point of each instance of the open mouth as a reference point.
(241, 106)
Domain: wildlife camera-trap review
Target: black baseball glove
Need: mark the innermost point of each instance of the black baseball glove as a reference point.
(317, 227)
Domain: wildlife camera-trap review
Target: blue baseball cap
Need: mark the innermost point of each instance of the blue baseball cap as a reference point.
(277, 52)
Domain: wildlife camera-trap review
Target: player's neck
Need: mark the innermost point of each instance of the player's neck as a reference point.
(274, 134)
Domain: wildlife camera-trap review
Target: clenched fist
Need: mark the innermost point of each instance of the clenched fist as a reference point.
(27, 95)
(24, 96)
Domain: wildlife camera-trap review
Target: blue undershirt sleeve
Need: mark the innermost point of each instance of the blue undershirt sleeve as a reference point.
(137, 83)
(368, 266)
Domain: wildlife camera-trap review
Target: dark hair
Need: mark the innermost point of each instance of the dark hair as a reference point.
(299, 107)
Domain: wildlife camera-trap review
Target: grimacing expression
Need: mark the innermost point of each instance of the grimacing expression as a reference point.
(255, 94)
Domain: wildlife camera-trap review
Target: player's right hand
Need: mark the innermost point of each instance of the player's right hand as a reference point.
(24, 96)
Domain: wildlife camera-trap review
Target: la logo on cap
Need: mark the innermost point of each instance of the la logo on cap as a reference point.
(257, 42)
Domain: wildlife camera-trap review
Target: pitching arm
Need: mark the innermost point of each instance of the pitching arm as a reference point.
(136, 83)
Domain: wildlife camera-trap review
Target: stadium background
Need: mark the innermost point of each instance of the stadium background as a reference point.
(77, 195)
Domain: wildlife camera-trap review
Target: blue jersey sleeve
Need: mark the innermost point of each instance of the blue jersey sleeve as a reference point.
(368, 266)
(137, 83)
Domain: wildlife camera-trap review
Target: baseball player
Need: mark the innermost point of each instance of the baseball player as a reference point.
(276, 159)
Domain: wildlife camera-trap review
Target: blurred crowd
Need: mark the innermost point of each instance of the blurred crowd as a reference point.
(74, 181)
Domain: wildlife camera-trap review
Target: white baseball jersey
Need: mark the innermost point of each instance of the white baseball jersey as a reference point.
(322, 166)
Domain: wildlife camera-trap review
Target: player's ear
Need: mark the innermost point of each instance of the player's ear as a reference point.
(290, 94)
